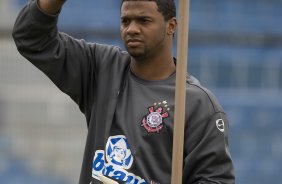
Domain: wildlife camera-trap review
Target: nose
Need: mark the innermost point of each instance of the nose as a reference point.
(133, 28)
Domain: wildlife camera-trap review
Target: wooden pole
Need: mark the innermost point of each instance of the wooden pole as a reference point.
(106, 180)
(180, 91)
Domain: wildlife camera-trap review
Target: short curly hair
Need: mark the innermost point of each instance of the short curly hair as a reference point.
(165, 7)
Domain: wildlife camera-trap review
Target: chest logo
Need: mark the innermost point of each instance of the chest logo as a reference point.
(153, 121)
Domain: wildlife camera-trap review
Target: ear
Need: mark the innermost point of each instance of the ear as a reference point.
(171, 26)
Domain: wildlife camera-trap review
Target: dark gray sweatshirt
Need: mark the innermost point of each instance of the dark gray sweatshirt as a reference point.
(130, 121)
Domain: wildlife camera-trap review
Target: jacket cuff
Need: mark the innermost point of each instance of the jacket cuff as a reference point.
(41, 16)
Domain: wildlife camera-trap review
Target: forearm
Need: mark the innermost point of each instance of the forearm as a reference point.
(33, 29)
(51, 6)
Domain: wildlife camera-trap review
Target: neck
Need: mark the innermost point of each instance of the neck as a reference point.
(153, 68)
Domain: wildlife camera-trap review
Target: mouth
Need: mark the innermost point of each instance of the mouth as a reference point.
(133, 42)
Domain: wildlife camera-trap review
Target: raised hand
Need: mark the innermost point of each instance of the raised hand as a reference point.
(51, 6)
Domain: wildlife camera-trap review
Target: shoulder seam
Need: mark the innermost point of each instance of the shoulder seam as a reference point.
(202, 89)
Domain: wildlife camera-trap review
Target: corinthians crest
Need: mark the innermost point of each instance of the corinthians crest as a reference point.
(153, 122)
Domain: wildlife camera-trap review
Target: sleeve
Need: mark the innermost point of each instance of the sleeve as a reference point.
(207, 157)
(68, 62)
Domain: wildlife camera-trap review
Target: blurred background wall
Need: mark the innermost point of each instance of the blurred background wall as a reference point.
(235, 49)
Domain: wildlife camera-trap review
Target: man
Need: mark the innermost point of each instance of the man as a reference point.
(128, 97)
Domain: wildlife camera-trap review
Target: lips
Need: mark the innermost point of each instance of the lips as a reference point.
(133, 42)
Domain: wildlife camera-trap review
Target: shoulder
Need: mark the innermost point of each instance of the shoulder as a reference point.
(106, 52)
(107, 57)
(200, 97)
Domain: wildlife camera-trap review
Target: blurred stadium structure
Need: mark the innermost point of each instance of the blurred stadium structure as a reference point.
(235, 49)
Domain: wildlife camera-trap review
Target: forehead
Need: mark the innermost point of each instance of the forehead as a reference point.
(141, 8)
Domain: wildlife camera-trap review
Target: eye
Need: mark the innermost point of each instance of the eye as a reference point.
(125, 21)
(144, 20)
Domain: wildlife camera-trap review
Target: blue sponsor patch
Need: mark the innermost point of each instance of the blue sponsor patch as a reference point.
(115, 161)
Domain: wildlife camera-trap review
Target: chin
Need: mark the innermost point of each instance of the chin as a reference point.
(139, 57)
(136, 54)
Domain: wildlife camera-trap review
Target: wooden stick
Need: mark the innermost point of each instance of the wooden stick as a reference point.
(106, 180)
(180, 91)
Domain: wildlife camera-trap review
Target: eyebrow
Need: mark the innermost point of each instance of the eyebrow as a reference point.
(135, 17)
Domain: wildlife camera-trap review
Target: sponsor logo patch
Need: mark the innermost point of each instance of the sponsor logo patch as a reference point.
(115, 161)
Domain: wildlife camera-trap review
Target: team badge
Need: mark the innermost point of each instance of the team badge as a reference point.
(153, 122)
